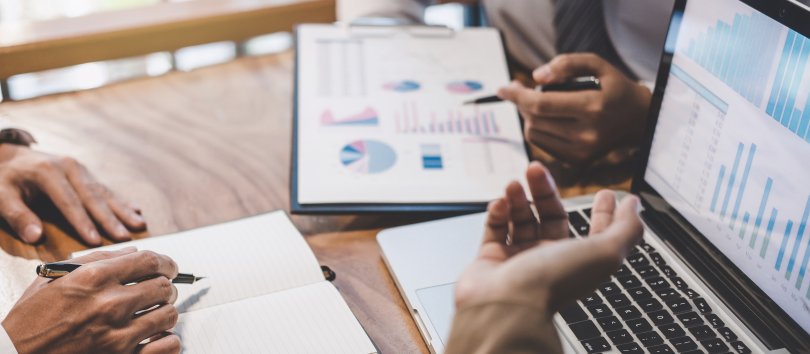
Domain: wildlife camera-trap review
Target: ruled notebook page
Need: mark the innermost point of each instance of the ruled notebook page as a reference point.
(240, 259)
(309, 319)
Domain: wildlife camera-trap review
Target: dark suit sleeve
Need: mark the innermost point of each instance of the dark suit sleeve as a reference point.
(500, 327)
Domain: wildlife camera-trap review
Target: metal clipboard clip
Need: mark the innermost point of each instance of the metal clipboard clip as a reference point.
(372, 27)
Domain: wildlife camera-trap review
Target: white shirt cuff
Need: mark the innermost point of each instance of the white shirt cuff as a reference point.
(6, 346)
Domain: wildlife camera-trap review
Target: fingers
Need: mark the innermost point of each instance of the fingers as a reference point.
(152, 323)
(17, 214)
(604, 206)
(549, 104)
(95, 198)
(523, 223)
(129, 215)
(141, 265)
(553, 218)
(148, 293)
(567, 66)
(497, 225)
(56, 186)
(168, 344)
(626, 231)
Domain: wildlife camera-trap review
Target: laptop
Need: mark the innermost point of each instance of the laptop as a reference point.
(723, 182)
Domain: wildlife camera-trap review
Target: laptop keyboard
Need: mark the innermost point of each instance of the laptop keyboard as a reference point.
(646, 308)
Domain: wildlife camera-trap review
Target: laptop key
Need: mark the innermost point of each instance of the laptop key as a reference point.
(610, 323)
(661, 349)
(690, 293)
(648, 247)
(715, 320)
(690, 319)
(629, 312)
(679, 305)
(623, 271)
(668, 294)
(650, 305)
(573, 313)
(679, 283)
(727, 333)
(657, 283)
(585, 330)
(638, 260)
(620, 337)
(587, 212)
(661, 317)
(600, 310)
(591, 300)
(702, 332)
(618, 300)
(609, 288)
(596, 345)
(650, 339)
(632, 348)
(658, 259)
(683, 344)
(714, 346)
(668, 271)
(740, 348)
(702, 305)
(639, 294)
(647, 272)
(639, 325)
(672, 330)
(629, 282)
(579, 223)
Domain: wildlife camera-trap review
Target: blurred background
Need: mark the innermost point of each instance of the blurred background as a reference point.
(20, 16)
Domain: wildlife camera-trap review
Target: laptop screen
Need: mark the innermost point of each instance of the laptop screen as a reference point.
(731, 149)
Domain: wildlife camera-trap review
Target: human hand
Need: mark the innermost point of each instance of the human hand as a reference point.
(538, 264)
(26, 174)
(579, 127)
(97, 309)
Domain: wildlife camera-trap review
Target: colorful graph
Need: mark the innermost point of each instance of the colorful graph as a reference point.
(410, 119)
(464, 87)
(367, 117)
(740, 54)
(368, 157)
(432, 157)
(402, 86)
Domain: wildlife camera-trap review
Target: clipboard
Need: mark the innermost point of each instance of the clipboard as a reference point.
(388, 129)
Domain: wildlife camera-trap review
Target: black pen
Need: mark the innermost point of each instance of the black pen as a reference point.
(577, 84)
(60, 269)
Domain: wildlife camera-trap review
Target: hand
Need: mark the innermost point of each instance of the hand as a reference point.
(93, 310)
(579, 127)
(25, 174)
(538, 264)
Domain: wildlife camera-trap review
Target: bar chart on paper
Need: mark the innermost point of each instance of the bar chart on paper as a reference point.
(742, 54)
(413, 119)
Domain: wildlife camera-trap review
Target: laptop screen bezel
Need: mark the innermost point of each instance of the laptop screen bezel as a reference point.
(768, 320)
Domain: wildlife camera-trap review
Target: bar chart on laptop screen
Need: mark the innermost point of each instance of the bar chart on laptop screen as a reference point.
(732, 146)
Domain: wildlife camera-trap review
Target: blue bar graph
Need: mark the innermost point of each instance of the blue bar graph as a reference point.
(767, 241)
(751, 153)
(799, 236)
(781, 255)
(761, 212)
(746, 219)
(733, 176)
(740, 54)
(717, 188)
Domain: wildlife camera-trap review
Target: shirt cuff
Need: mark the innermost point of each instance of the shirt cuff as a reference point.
(6, 346)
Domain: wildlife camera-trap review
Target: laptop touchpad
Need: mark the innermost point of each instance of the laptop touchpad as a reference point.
(440, 307)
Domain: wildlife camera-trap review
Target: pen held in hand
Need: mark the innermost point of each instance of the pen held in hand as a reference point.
(59, 269)
(577, 84)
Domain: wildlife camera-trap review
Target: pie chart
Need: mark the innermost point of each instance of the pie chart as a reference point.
(368, 156)
(464, 87)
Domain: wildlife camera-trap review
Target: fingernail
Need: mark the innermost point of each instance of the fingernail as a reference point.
(122, 232)
(32, 233)
(137, 216)
(543, 73)
(93, 237)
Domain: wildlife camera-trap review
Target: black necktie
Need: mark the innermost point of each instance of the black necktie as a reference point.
(581, 28)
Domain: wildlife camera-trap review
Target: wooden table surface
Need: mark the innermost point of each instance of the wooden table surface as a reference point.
(213, 145)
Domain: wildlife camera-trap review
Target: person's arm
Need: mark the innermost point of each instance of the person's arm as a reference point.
(105, 306)
(27, 174)
(406, 10)
(528, 268)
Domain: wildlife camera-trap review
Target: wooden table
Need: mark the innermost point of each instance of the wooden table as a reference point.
(213, 145)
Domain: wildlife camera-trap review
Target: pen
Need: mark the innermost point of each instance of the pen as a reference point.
(59, 269)
(577, 84)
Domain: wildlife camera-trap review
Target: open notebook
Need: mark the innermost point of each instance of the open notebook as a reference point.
(264, 291)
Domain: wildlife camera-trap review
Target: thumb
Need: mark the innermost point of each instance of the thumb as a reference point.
(568, 66)
(24, 222)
